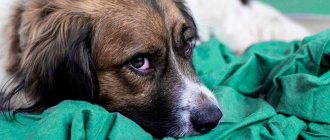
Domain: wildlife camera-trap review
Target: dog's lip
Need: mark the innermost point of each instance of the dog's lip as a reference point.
(192, 131)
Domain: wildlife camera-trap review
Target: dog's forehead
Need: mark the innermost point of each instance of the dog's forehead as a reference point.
(148, 15)
(138, 24)
(171, 11)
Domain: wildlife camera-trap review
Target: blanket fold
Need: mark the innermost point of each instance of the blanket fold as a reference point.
(276, 90)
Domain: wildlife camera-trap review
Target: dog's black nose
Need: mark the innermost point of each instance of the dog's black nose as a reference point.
(206, 119)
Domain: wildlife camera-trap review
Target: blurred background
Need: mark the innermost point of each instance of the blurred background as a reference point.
(241, 23)
(313, 14)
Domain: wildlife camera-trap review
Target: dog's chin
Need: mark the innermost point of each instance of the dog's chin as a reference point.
(175, 130)
(183, 130)
(176, 126)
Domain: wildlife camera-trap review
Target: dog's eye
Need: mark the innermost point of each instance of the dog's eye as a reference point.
(188, 41)
(189, 47)
(141, 65)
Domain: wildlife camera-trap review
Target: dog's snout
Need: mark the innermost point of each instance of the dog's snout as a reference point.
(205, 119)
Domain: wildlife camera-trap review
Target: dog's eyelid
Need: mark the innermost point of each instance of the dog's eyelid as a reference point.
(143, 54)
(188, 36)
(187, 33)
(150, 55)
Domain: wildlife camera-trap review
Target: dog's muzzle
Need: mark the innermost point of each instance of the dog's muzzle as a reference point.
(203, 113)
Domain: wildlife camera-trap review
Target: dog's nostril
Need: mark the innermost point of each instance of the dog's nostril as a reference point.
(206, 119)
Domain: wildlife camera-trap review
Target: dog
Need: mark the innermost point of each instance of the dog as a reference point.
(129, 56)
(242, 23)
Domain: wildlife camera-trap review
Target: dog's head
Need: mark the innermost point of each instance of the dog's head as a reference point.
(130, 56)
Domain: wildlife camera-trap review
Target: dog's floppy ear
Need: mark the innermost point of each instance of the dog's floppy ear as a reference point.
(57, 62)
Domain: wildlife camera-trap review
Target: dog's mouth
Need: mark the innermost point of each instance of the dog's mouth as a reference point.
(186, 123)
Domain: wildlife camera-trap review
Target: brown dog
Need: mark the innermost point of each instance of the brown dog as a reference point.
(130, 56)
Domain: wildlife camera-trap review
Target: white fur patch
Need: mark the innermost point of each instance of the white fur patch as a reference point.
(5, 6)
(6, 11)
(190, 97)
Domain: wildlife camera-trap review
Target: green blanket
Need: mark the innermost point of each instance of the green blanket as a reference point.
(276, 90)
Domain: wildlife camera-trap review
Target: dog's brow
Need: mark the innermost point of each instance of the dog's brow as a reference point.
(149, 50)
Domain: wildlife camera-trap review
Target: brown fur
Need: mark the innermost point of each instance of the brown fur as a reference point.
(46, 32)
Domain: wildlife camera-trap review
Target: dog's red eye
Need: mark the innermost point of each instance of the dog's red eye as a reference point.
(141, 65)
